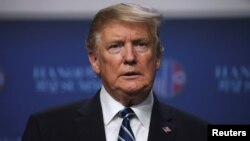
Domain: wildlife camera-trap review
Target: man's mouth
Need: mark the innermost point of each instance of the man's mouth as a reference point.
(131, 75)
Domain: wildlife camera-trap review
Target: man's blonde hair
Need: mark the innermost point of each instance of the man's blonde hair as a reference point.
(127, 13)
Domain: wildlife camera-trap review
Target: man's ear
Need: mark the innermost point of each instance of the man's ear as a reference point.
(158, 63)
(159, 60)
(93, 59)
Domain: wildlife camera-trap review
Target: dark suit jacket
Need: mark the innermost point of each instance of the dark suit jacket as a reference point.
(83, 121)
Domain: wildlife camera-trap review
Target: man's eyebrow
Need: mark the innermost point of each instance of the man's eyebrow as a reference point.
(119, 41)
(141, 39)
(116, 41)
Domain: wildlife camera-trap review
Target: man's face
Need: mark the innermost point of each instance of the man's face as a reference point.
(125, 58)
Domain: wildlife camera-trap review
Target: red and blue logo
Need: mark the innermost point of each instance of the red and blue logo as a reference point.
(170, 79)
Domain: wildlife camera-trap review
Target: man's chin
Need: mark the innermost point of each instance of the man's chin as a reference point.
(133, 91)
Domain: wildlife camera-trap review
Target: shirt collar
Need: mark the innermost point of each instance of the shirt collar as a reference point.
(111, 107)
(143, 110)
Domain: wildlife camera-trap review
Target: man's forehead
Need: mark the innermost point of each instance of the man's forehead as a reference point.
(125, 24)
(117, 29)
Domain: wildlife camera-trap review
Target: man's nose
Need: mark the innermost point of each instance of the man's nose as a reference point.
(129, 54)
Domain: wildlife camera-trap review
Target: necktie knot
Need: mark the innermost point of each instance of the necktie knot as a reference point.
(127, 113)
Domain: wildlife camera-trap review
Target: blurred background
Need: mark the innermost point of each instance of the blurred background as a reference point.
(43, 62)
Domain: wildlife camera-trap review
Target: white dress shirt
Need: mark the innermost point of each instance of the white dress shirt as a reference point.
(112, 122)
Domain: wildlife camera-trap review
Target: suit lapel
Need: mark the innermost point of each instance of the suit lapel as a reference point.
(161, 128)
(90, 124)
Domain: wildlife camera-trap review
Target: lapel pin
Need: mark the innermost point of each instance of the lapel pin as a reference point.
(166, 129)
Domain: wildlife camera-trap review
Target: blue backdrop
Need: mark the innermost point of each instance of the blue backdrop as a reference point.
(205, 70)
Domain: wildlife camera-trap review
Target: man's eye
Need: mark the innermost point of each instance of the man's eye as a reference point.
(141, 46)
(115, 46)
(113, 49)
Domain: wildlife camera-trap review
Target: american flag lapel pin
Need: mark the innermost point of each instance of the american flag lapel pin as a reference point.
(166, 129)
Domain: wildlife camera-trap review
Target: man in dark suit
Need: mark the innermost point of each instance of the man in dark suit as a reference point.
(125, 52)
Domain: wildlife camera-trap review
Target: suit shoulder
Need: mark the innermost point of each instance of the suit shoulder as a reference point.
(182, 116)
(68, 109)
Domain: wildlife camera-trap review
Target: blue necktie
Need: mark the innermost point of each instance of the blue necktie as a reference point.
(125, 133)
